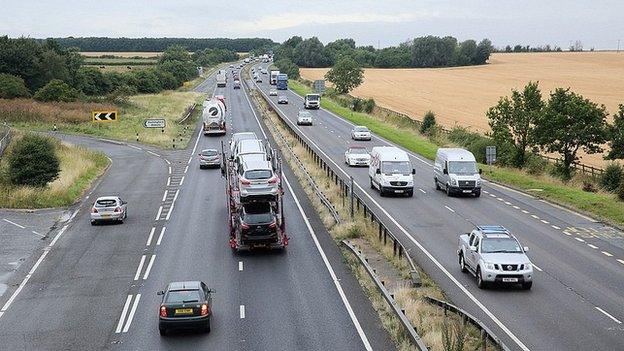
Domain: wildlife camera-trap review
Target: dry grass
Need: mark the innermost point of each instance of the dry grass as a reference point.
(462, 95)
(32, 111)
(428, 320)
(79, 168)
(121, 53)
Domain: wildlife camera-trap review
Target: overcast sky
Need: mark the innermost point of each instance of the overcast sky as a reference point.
(596, 23)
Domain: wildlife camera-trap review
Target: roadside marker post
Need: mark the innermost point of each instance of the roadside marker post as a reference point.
(104, 116)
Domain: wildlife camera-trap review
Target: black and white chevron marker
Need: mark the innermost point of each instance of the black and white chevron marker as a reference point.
(104, 116)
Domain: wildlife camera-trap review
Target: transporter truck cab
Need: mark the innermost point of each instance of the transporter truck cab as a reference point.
(391, 171)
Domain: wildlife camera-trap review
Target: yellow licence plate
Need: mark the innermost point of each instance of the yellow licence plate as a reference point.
(183, 311)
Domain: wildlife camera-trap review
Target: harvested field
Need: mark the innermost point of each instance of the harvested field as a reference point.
(120, 53)
(462, 95)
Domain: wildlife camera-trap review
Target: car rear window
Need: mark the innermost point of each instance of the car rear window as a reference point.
(183, 296)
(105, 203)
(257, 214)
(209, 153)
(256, 174)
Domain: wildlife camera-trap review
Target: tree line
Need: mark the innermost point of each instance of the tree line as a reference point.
(529, 48)
(429, 51)
(161, 44)
(49, 72)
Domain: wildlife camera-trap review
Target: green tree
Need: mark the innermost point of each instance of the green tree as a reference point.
(33, 161)
(513, 120)
(482, 54)
(181, 70)
(310, 53)
(346, 75)
(175, 53)
(146, 81)
(92, 81)
(570, 123)
(428, 123)
(287, 66)
(12, 87)
(616, 136)
(57, 90)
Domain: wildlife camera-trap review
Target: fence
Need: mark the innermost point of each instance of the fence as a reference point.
(347, 190)
(5, 138)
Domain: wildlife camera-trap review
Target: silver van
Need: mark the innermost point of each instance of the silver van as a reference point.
(455, 170)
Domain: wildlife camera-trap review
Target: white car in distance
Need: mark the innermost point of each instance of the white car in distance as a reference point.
(360, 133)
(357, 156)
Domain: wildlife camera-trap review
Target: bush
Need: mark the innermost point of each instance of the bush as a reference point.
(477, 147)
(535, 165)
(33, 161)
(146, 81)
(428, 123)
(121, 94)
(369, 105)
(57, 90)
(612, 177)
(620, 190)
(12, 87)
(589, 186)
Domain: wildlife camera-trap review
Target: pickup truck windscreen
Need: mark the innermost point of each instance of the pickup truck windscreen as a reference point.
(500, 245)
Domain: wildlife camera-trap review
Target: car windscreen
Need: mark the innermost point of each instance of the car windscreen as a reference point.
(105, 203)
(258, 174)
(312, 97)
(257, 214)
(209, 153)
(396, 167)
(305, 114)
(183, 296)
(462, 167)
(361, 129)
(505, 245)
(358, 151)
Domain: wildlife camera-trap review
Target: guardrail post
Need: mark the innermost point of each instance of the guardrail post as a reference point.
(385, 232)
(400, 251)
(380, 231)
(351, 195)
(394, 247)
(483, 340)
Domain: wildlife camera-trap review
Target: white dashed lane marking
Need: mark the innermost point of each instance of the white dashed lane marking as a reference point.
(15, 224)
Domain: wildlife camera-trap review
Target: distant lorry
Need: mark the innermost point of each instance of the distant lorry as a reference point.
(282, 81)
(273, 77)
(312, 101)
(221, 79)
(391, 171)
(213, 117)
(455, 170)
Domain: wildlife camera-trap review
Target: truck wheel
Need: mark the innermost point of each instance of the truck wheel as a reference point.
(462, 264)
(480, 282)
(207, 327)
(410, 193)
(437, 185)
(382, 192)
(478, 193)
(162, 331)
(527, 286)
(371, 182)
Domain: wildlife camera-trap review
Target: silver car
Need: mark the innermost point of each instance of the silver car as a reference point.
(109, 209)
(236, 137)
(493, 255)
(357, 156)
(360, 133)
(257, 179)
(272, 92)
(209, 158)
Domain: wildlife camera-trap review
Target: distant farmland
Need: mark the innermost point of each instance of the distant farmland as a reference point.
(462, 95)
(121, 54)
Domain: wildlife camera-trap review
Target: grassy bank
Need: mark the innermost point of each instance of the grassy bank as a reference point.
(75, 117)
(600, 205)
(79, 168)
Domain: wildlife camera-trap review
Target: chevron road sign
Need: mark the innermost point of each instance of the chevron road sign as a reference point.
(104, 116)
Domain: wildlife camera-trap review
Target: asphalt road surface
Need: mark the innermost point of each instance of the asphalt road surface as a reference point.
(577, 296)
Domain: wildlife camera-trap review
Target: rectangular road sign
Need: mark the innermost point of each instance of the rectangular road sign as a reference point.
(319, 85)
(154, 123)
(490, 154)
(104, 116)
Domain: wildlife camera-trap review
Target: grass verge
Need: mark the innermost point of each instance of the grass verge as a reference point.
(79, 168)
(604, 206)
(428, 320)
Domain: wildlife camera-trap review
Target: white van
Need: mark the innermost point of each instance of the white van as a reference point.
(455, 170)
(391, 171)
(312, 101)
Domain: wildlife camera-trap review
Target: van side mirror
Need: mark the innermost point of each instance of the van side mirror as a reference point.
(378, 171)
(480, 171)
(445, 171)
(526, 248)
(473, 248)
(413, 171)
(162, 292)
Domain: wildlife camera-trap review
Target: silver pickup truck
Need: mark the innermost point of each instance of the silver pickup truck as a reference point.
(493, 255)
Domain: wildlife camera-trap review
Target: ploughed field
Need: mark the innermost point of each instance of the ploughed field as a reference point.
(462, 95)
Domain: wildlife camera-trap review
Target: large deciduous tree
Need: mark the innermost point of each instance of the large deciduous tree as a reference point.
(346, 75)
(616, 136)
(571, 123)
(513, 120)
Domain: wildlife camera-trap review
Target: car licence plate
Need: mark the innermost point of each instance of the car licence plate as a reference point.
(398, 191)
(467, 191)
(180, 311)
(510, 280)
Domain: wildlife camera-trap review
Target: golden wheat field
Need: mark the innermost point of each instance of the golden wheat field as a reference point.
(121, 53)
(462, 95)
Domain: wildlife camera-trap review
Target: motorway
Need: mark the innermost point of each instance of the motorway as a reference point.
(577, 297)
(94, 287)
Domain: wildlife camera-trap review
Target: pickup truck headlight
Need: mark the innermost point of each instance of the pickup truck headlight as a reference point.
(478, 182)
(489, 266)
(527, 266)
(454, 182)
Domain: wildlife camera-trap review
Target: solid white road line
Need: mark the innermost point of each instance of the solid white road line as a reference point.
(607, 254)
(608, 315)
(153, 153)
(450, 209)
(149, 267)
(151, 235)
(186, 169)
(593, 246)
(165, 195)
(58, 236)
(123, 314)
(240, 266)
(162, 232)
(189, 160)
(132, 311)
(158, 214)
(423, 249)
(168, 181)
(134, 147)
(15, 224)
(345, 301)
(536, 267)
(41, 235)
(173, 203)
(139, 268)
(167, 161)
(182, 180)
(175, 197)
(241, 311)
(195, 147)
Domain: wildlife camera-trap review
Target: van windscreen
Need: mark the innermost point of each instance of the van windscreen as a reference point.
(462, 167)
(396, 167)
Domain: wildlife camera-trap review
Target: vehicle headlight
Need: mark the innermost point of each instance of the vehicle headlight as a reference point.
(478, 182)
(453, 181)
(489, 266)
(527, 266)
(410, 183)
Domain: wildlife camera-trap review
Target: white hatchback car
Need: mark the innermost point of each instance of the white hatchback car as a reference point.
(357, 156)
(109, 209)
(304, 117)
(272, 92)
(360, 133)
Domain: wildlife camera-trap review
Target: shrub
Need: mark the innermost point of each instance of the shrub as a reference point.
(612, 177)
(33, 161)
(146, 81)
(477, 147)
(620, 190)
(369, 105)
(589, 186)
(121, 94)
(57, 90)
(12, 87)
(428, 123)
(535, 165)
